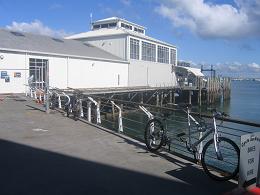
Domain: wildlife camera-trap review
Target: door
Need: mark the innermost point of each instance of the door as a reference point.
(37, 68)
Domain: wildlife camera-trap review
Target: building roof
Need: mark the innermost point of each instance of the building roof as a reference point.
(43, 44)
(117, 19)
(195, 71)
(112, 32)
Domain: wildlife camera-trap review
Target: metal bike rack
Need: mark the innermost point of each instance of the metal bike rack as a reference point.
(149, 114)
(120, 122)
(97, 110)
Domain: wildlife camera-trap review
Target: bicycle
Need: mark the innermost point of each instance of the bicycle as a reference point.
(74, 105)
(220, 155)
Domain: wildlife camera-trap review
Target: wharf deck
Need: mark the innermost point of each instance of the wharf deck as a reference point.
(51, 154)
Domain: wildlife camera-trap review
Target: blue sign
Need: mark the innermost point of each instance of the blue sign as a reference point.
(3, 74)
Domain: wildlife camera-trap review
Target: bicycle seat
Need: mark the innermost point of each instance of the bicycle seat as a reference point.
(185, 105)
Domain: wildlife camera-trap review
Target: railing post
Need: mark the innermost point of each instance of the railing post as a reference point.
(81, 108)
(98, 114)
(200, 146)
(120, 122)
(150, 116)
(89, 111)
(97, 109)
(59, 101)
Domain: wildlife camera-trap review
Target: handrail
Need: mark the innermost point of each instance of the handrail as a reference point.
(238, 121)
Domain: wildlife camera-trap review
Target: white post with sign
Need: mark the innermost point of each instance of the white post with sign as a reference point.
(249, 159)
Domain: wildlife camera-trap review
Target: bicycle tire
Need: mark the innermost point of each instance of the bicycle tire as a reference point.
(154, 144)
(221, 170)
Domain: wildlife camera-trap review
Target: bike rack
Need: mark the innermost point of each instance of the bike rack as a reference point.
(120, 123)
(97, 110)
(149, 114)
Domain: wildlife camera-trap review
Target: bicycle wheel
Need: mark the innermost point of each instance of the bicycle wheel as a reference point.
(226, 168)
(153, 135)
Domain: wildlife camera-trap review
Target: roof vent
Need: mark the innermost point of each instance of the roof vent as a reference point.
(19, 34)
(58, 40)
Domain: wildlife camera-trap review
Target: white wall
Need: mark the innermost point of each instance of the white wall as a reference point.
(63, 72)
(13, 63)
(91, 74)
(143, 73)
(115, 45)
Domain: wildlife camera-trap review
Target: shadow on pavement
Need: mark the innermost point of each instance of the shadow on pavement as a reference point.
(27, 170)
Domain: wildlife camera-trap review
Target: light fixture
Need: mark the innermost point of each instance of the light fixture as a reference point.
(1, 57)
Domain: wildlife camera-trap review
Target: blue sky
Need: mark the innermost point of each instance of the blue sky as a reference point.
(225, 33)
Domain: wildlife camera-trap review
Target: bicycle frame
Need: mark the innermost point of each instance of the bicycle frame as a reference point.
(192, 146)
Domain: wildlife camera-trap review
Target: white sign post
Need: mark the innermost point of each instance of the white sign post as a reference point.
(249, 159)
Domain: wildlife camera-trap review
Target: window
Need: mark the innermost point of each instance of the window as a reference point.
(111, 25)
(126, 26)
(104, 25)
(37, 69)
(173, 57)
(97, 26)
(18, 34)
(138, 30)
(148, 51)
(163, 54)
(134, 49)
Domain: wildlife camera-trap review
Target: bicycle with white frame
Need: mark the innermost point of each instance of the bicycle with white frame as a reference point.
(220, 155)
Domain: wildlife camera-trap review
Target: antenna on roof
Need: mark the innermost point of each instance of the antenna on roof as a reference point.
(91, 20)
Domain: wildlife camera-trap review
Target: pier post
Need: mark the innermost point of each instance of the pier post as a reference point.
(170, 97)
(162, 97)
(157, 99)
(190, 96)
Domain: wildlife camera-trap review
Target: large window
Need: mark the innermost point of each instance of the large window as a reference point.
(148, 51)
(37, 68)
(134, 49)
(173, 57)
(163, 55)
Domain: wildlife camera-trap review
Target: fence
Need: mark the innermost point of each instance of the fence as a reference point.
(127, 117)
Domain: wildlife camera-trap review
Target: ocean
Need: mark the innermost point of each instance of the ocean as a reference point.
(244, 103)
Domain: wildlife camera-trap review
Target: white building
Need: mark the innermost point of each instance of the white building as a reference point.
(115, 53)
(150, 61)
(71, 63)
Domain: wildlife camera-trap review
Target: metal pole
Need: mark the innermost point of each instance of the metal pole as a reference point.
(258, 173)
(47, 108)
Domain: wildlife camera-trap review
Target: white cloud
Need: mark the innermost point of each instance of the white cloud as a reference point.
(210, 20)
(36, 27)
(254, 67)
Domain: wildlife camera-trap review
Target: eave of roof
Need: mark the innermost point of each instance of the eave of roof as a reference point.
(114, 32)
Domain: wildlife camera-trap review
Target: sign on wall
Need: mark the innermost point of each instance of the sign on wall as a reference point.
(249, 159)
(3, 74)
(17, 74)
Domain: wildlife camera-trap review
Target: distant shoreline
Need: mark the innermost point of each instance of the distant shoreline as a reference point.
(246, 79)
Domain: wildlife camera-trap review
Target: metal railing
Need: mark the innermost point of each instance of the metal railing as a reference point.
(131, 118)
